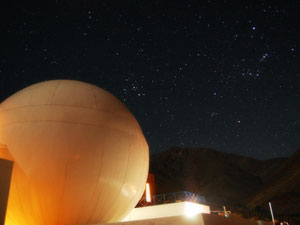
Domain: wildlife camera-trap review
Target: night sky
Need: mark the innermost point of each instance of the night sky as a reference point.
(217, 74)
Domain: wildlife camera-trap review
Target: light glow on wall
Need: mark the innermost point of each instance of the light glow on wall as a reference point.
(148, 193)
(191, 209)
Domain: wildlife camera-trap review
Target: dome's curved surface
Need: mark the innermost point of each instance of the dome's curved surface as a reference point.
(80, 155)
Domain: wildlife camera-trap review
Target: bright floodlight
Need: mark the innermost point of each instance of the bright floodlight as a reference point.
(148, 193)
(80, 155)
(191, 209)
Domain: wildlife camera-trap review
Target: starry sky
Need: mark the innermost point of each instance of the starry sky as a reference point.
(218, 74)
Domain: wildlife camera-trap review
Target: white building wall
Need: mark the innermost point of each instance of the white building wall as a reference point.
(167, 210)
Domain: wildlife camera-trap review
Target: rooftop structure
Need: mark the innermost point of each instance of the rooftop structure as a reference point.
(182, 196)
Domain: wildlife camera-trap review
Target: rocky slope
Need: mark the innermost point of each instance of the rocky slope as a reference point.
(282, 188)
(241, 183)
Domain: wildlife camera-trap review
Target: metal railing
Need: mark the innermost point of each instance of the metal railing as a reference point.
(172, 198)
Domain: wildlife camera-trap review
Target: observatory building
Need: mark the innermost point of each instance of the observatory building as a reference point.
(72, 154)
(79, 155)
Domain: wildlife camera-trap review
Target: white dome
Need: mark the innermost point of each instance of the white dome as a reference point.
(80, 155)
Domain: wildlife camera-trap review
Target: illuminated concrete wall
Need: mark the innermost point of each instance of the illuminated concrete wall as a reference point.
(199, 219)
(5, 175)
(188, 209)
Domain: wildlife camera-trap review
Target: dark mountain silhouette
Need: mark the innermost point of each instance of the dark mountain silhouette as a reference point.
(241, 183)
(281, 188)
